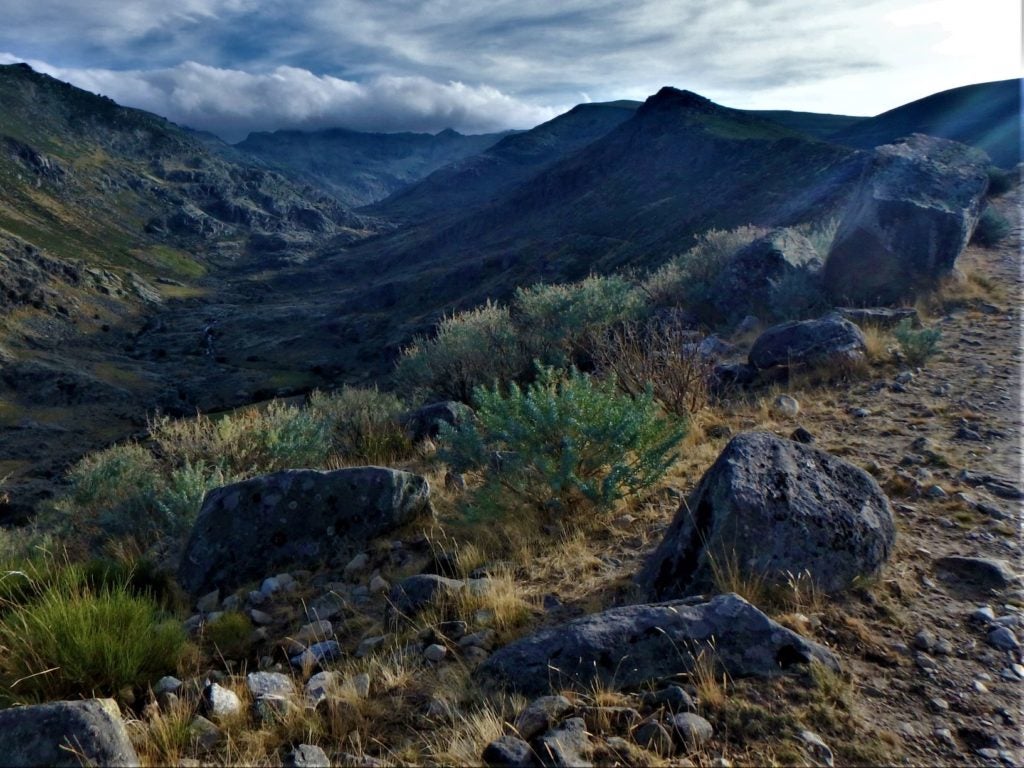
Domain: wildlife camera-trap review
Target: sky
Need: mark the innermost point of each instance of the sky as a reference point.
(235, 66)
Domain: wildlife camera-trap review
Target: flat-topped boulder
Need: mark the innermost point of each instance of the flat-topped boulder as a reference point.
(65, 733)
(829, 340)
(774, 508)
(297, 517)
(910, 218)
(628, 647)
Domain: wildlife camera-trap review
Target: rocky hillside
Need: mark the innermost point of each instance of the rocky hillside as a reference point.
(986, 116)
(362, 168)
(478, 181)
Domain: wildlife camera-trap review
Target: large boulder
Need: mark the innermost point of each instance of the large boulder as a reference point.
(744, 284)
(774, 508)
(908, 221)
(629, 647)
(301, 516)
(830, 340)
(65, 733)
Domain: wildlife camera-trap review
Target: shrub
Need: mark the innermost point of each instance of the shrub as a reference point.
(556, 322)
(364, 424)
(991, 229)
(470, 349)
(73, 640)
(916, 345)
(661, 355)
(229, 634)
(797, 295)
(565, 440)
(1000, 181)
(686, 280)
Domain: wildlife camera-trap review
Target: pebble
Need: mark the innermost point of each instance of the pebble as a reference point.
(328, 650)
(204, 733)
(939, 705)
(860, 413)
(319, 686)
(314, 631)
(232, 603)
(542, 714)
(926, 662)
(435, 652)
(1003, 639)
(924, 640)
(983, 615)
(219, 701)
(673, 697)
(784, 405)
(818, 748)
(166, 684)
(692, 730)
(655, 738)
(259, 617)
(306, 756)
(936, 492)
(269, 683)
(369, 645)
(360, 684)
(357, 564)
(379, 584)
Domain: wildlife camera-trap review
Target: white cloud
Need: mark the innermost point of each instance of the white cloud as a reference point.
(232, 102)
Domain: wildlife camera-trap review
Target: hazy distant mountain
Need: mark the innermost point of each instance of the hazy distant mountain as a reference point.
(482, 179)
(986, 115)
(361, 168)
(816, 124)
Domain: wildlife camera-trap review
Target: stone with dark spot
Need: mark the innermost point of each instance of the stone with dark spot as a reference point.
(567, 746)
(295, 517)
(425, 423)
(508, 752)
(634, 645)
(65, 733)
(774, 508)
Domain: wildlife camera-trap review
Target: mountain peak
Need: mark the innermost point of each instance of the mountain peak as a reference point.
(673, 98)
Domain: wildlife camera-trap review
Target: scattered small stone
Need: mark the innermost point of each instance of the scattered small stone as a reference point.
(232, 603)
(816, 746)
(566, 745)
(904, 377)
(508, 751)
(691, 729)
(269, 586)
(983, 615)
(860, 413)
(924, 640)
(259, 617)
(306, 756)
(801, 435)
(945, 735)
(966, 433)
(438, 709)
(435, 652)
(453, 630)
(939, 705)
(320, 686)
(936, 492)
(474, 656)
(942, 647)
(166, 684)
(482, 639)
(673, 697)
(266, 683)
(654, 737)
(360, 684)
(204, 734)
(328, 650)
(542, 714)
(379, 584)
(979, 687)
(988, 573)
(926, 662)
(272, 708)
(256, 597)
(219, 701)
(209, 602)
(1003, 639)
(368, 645)
(784, 405)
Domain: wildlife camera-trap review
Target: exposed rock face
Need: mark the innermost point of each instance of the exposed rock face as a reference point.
(745, 283)
(774, 507)
(248, 529)
(426, 422)
(636, 644)
(65, 733)
(910, 219)
(830, 340)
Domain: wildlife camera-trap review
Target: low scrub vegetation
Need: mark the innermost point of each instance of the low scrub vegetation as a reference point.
(992, 228)
(565, 441)
(65, 635)
(916, 345)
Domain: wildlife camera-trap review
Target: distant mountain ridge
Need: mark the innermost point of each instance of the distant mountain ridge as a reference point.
(984, 115)
(361, 168)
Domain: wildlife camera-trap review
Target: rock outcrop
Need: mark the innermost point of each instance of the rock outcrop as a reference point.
(830, 340)
(909, 220)
(633, 645)
(65, 733)
(745, 283)
(775, 508)
(247, 529)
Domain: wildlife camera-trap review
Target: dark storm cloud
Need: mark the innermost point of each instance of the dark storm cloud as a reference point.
(238, 65)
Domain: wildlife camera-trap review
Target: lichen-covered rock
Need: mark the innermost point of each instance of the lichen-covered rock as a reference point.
(633, 645)
(773, 507)
(301, 516)
(912, 215)
(744, 284)
(65, 733)
(413, 594)
(830, 340)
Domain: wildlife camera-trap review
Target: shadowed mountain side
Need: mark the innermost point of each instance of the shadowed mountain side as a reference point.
(475, 182)
(814, 124)
(360, 168)
(986, 116)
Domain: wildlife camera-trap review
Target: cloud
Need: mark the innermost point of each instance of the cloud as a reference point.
(487, 60)
(232, 103)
